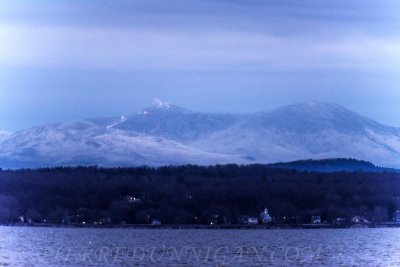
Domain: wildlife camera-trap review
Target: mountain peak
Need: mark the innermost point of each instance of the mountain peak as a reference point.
(158, 103)
(159, 106)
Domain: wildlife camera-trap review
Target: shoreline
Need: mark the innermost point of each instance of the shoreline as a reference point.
(204, 227)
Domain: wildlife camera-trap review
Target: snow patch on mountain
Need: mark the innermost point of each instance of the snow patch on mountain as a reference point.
(116, 123)
(157, 103)
(60, 145)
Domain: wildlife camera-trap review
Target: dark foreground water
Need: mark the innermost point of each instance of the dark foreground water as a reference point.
(20, 246)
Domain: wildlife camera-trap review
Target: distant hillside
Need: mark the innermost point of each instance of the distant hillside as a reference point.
(332, 165)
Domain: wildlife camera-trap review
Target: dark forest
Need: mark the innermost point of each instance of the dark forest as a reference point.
(192, 194)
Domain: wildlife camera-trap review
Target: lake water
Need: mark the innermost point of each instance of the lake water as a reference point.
(23, 246)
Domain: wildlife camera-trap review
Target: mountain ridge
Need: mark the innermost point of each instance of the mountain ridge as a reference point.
(332, 165)
(165, 134)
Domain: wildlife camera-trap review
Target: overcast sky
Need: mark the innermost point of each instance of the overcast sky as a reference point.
(65, 60)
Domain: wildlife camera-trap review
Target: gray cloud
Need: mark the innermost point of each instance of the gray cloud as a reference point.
(61, 60)
(143, 48)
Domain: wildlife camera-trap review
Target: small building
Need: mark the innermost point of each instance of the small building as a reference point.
(265, 217)
(215, 219)
(155, 222)
(218, 219)
(339, 221)
(356, 219)
(104, 220)
(359, 220)
(243, 219)
(396, 216)
(316, 219)
(252, 220)
(247, 220)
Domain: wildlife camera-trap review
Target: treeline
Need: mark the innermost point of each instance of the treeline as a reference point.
(192, 194)
(332, 165)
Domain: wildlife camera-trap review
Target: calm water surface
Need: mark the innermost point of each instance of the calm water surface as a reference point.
(22, 246)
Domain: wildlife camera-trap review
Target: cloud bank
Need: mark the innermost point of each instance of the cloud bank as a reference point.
(250, 35)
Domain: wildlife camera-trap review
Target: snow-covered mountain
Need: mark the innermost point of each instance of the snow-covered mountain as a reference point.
(165, 134)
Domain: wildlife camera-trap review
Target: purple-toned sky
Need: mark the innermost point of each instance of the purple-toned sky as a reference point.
(65, 60)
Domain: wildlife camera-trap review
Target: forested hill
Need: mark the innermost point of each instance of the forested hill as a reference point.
(332, 165)
(192, 194)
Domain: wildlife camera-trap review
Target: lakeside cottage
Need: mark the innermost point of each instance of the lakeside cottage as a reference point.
(264, 217)
(252, 221)
(155, 222)
(218, 219)
(339, 221)
(359, 221)
(316, 219)
(396, 216)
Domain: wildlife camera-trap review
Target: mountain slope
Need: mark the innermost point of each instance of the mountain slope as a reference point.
(176, 123)
(85, 143)
(164, 134)
(308, 130)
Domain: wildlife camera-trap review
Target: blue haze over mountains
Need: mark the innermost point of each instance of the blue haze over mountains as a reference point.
(164, 134)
